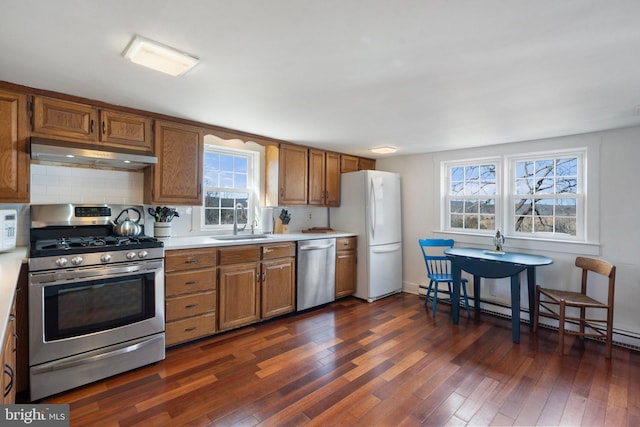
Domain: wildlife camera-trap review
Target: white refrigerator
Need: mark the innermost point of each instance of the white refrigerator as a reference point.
(371, 207)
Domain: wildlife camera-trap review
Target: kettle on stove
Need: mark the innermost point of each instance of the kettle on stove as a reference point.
(127, 227)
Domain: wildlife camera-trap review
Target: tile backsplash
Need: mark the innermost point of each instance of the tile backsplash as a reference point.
(62, 184)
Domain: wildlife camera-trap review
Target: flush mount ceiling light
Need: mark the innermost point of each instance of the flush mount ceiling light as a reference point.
(384, 150)
(159, 57)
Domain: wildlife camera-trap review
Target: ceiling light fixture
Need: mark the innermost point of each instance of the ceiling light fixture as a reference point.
(159, 57)
(384, 150)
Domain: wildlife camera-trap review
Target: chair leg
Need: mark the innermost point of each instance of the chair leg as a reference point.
(582, 322)
(435, 299)
(426, 297)
(536, 310)
(561, 326)
(609, 331)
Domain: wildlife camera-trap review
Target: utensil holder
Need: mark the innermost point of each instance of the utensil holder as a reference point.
(162, 230)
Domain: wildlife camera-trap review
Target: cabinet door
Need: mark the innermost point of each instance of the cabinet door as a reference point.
(345, 273)
(177, 178)
(292, 175)
(125, 130)
(14, 148)
(332, 179)
(238, 295)
(366, 164)
(54, 117)
(8, 358)
(348, 163)
(316, 177)
(278, 287)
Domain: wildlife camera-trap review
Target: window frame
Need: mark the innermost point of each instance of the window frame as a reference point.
(253, 185)
(447, 196)
(579, 195)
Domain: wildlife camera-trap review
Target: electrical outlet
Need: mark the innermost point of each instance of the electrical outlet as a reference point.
(309, 216)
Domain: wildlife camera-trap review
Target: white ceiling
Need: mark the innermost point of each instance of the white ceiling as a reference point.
(347, 75)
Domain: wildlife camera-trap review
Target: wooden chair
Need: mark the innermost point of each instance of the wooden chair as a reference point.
(556, 301)
(439, 271)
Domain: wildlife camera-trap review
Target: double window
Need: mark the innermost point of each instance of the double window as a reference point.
(535, 195)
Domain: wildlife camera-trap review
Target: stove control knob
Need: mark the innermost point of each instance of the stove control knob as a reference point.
(76, 260)
(131, 255)
(143, 254)
(61, 262)
(105, 258)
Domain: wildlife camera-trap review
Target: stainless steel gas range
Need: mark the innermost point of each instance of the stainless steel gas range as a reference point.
(96, 299)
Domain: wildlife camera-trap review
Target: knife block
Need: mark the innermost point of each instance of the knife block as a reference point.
(280, 228)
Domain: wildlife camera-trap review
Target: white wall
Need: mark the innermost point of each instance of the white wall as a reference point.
(617, 229)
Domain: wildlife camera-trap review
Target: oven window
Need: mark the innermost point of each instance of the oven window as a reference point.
(98, 305)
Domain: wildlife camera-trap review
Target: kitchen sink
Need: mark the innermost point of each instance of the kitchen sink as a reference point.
(233, 237)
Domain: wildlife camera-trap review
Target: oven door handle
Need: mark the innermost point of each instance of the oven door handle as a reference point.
(84, 360)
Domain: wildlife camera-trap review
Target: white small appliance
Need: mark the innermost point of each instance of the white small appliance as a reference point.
(8, 226)
(371, 207)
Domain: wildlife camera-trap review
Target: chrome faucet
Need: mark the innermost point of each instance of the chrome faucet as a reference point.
(235, 218)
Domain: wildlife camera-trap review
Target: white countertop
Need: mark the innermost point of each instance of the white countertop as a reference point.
(10, 263)
(209, 240)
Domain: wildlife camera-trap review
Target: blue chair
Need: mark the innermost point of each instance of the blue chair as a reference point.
(439, 271)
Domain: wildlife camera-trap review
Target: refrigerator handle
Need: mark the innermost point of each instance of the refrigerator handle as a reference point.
(372, 204)
(386, 248)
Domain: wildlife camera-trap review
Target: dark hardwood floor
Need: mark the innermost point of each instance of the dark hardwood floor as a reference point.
(388, 363)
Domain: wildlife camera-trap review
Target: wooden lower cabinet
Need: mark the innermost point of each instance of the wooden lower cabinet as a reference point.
(239, 297)
(346, 266)
(8, 359)
(208, 290)
(261, 287)
(278, 287)
(190, 294)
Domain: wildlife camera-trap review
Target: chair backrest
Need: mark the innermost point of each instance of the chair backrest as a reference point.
(600, 267)
(436, 264)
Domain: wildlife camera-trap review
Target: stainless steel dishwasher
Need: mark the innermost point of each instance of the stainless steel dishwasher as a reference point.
(316, 272)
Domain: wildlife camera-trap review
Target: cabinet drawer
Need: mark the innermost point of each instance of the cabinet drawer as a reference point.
(190, 305)
(189, 329)
(187, 259)
(278, 250)
(344, 243)
(186, 282)
(239, 254)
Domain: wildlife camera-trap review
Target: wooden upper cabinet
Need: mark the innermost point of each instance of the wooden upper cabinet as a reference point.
(286, 175)
(316, 177)
(84, 123)
(177, 178)
(366, 164)
(14, 148)
(324, 178)
(354, 164)
(125, 130)
(64, 119)
(332, 179)
(348, 163)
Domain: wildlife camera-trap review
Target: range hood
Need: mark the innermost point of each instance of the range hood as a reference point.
(52, 150)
